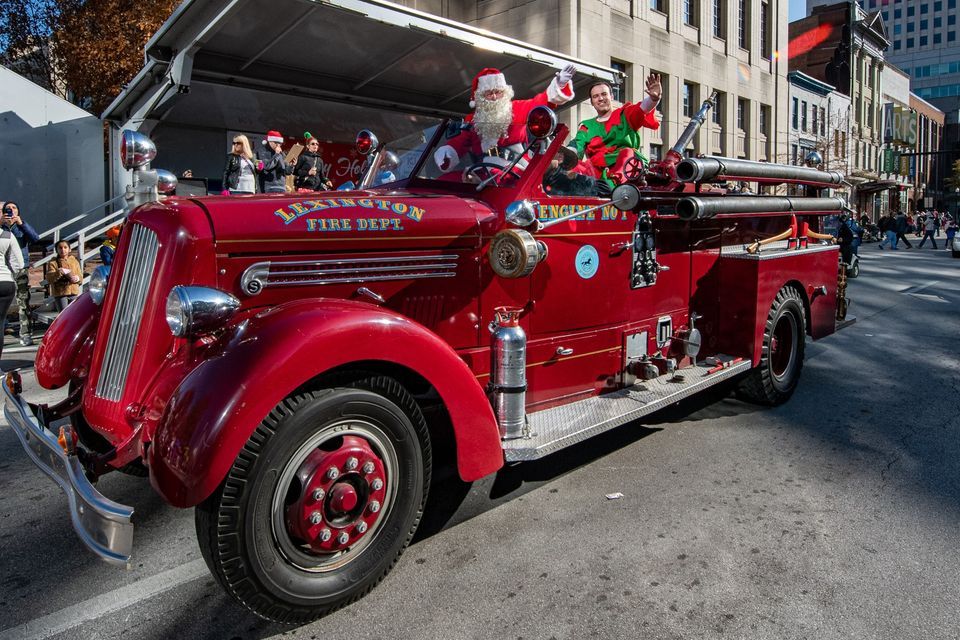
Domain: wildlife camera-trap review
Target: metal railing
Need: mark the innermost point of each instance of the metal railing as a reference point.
(79, 238)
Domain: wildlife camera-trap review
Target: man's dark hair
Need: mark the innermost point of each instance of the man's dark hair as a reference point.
(597, 84)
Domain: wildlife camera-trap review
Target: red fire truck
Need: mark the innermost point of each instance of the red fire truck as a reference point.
(295, 366)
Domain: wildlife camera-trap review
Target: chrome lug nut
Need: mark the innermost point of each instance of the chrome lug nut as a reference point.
(315, 518)
(374, 506)
(368, 467)
(361, 527)
(377, 484)
(318, 495)
(343, 538)
(352, 463)
(333, 473)
(325, 535)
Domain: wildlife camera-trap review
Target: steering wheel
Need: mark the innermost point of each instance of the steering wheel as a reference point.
(633, 169)
(483, 170)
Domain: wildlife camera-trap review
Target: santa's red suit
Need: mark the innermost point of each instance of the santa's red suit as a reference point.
(558, 92)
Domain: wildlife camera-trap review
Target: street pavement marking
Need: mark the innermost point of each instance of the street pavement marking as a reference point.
(105, 603)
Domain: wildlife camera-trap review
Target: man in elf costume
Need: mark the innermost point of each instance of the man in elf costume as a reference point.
(608, 141)
(499, 121)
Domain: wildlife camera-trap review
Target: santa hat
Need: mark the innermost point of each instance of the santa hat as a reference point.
(275, 136)
(487, 79)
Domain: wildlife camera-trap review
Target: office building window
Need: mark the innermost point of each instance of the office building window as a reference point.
(896, 45)
(909, 43)
(937, 6)
(719, 10)
(619, 91)
(896, 29)
(924, 24)
(936, 38)
(656, 151)
(910, 27)
(823, 121)
(659, 5)
(765, 30)
(687, 94)
(803, 115)
(815, 119)
(794, 155)
(951, 4)
(764, 121)
(717, 111)
(951, 20)
(937, 22)
(742, 35)
(690, 12)
(910, 11)
(923, 41)
(951, 36)
(897, 13)
(741, 114)
(924, 8)
(795, 117)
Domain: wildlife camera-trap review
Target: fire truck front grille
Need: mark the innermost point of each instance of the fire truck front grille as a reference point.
(132, 295)
(263, 275)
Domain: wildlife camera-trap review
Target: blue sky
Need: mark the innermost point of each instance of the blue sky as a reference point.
(798, 9)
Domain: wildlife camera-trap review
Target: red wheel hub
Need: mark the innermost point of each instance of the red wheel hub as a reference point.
(339, 496)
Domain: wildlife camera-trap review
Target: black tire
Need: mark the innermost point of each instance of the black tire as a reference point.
(956, 254)
(773, 381)
(854, 271)
(254, 533)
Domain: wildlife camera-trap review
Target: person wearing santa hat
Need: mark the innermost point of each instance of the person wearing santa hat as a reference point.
(610, 140)
(498, 120)
(271, 165)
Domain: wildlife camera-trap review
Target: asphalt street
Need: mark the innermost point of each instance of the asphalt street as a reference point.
(836, 515)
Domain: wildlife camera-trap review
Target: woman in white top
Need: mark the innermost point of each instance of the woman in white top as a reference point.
(240, 174)
(12, 263)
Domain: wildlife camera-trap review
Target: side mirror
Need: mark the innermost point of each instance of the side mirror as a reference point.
(366, 142)
(541, 122)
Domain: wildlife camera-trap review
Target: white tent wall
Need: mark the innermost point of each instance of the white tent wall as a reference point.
(51, 153)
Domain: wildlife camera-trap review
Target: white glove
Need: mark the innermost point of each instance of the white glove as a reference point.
(446, 157)
(566, 74)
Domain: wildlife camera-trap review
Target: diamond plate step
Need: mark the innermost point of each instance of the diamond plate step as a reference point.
(559, 427)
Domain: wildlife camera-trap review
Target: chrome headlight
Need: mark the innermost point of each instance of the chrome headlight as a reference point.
(97, 287)
(193, 311)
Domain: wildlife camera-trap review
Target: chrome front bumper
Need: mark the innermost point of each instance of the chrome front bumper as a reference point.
(102, 524)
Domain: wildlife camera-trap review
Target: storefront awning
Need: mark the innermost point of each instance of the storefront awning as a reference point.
(238, 64)
(878, 185)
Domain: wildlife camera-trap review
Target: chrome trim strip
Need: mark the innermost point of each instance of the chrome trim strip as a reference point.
(125, 325)
(261, 275)
(103, 525)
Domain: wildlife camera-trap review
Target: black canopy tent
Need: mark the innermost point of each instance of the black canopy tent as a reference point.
(330, 67)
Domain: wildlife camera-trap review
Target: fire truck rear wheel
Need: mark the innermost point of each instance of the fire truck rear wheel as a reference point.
(320, 503)
(781, 356)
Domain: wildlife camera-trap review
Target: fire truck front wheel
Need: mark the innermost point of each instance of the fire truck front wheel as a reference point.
(781, 356)
(320, 503)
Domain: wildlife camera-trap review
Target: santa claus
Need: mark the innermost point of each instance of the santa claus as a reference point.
(498, 120)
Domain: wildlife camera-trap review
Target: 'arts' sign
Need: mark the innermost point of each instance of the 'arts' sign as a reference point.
(899, 125)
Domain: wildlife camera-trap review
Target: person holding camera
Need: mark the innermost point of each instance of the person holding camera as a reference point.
(64, 276)
(24, 235)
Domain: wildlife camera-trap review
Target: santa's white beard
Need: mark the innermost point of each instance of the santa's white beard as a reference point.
(492, 118)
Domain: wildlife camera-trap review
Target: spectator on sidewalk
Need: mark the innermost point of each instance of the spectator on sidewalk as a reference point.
(888, 229)
(929, 227)
(25, 236)
(109, 247)
(64, 276)
(900, 227)
(11, 264)
(951, 231)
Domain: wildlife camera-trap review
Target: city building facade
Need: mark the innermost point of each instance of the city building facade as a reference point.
(732, 47)
(844, 46)
(820, 122)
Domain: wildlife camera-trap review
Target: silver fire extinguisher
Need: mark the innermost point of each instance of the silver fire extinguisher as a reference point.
(508, 372)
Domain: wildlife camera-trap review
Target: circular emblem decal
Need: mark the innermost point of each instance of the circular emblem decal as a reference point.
(587, 262)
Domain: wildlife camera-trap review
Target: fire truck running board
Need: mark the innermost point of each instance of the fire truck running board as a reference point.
(560, 427)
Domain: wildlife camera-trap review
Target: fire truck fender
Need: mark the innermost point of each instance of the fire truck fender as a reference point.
(68, 344)
(216, 408)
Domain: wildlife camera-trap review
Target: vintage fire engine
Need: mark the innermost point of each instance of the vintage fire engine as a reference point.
(295, 366)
